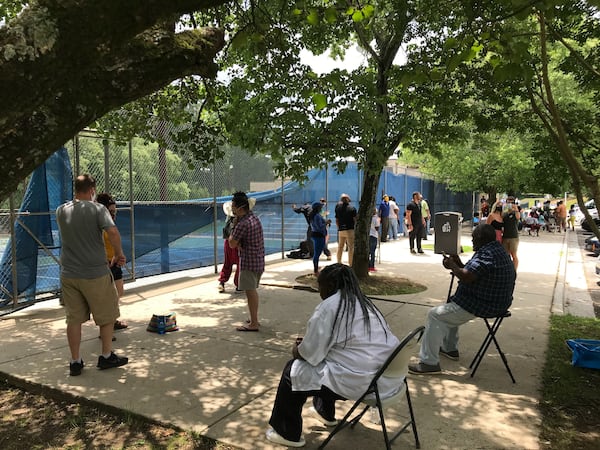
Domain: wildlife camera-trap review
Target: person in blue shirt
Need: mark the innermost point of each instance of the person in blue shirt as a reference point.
(485, 289)
(384, 216)
(318, 229)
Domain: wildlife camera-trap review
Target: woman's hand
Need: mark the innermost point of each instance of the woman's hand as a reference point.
(295, 352)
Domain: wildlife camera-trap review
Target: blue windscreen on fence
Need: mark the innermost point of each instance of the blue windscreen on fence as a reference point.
(171, 236)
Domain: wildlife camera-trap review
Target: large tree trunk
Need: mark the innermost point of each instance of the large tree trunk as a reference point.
(360, 264)
(65, 63)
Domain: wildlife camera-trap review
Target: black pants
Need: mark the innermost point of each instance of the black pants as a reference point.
(286, 417)
(385, 226)
(309, 242)
(416, 233)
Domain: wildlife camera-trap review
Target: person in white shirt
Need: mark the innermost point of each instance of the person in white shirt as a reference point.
(394, 210)
(373, 239)
(347, 340)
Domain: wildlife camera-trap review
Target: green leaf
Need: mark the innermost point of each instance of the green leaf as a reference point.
(358, 16)
(313, 17)
(368, 10)
(494, 60)
(331, 15)
(453, 62)
(239, 41)
(297, 12)
(450, 43)
(436, 74)
(320, 101)
(507, 72)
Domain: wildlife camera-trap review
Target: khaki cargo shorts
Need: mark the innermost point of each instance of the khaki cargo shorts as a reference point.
(97, 296)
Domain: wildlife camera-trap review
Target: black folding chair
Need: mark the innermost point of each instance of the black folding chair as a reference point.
(491, 336)
(396, 366)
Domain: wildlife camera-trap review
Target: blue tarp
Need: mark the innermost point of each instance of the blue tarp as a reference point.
(181, 235)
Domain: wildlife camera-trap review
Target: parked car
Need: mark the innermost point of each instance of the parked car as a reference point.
(598, 265)
(586, 226)
(591, 207)
(592, 244)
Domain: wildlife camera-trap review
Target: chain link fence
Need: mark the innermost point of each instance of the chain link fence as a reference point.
(170, 212)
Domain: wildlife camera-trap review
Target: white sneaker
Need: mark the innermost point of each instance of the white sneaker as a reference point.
(328, 423)
(221, 287)
(275, 437)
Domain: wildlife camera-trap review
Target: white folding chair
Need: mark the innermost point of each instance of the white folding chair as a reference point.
(396, 366)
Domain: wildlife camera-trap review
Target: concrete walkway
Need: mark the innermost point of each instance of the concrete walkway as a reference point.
(221, 383)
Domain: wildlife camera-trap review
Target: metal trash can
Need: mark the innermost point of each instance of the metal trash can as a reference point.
(447, 232)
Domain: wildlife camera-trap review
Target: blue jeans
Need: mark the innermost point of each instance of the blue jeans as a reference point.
(372, 248)
(441, 331)
(319, 244)
(393, 230)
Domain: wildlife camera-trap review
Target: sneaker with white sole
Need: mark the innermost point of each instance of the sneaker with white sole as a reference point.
(275, 437)
(221, 287)
(424, 369)
(328, 423)
(453, 355)
(112, 361)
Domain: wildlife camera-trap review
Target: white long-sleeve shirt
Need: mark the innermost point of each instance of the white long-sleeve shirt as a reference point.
(345, 369)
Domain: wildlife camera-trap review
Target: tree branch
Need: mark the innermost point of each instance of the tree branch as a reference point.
(573, 51)
(64, 63)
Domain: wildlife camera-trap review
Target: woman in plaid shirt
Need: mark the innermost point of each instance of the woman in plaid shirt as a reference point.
(247, 237)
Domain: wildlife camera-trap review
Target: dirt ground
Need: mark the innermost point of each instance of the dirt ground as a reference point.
(38, 420)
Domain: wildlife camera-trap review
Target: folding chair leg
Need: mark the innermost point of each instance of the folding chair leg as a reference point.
(340, 426)
(491, 336)
(412, 418)
(485, 344)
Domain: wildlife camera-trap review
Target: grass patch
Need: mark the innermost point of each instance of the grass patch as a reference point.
(375, 284)
(465, 248)
(570, 403)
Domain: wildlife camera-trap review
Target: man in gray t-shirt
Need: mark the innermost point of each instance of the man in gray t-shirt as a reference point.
(86, 281)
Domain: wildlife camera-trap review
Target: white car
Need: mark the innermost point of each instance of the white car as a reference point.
(591, 207)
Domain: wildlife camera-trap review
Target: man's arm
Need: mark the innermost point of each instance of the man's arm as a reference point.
(408, 219)
(234, 243)
(115, 240)
(457, 267)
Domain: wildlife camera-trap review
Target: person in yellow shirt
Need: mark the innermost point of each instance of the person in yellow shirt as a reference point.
(109, 202)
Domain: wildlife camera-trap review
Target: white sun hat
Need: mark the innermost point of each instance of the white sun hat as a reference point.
(227, 206)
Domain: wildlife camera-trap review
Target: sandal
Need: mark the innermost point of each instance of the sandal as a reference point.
(120, 325)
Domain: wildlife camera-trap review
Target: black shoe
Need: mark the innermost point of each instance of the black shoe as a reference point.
(75, 368)
(424, 369)
(112, 361)
(420, 251)
(412, 250)
(453, 355)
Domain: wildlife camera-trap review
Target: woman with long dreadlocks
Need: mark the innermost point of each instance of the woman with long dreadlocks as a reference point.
(347, 340)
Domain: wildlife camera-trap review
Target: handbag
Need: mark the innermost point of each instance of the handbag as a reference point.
(586, 353)
(170, 321)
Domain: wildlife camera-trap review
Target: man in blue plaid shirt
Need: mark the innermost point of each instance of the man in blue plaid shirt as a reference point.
(485, 289)
(247, 238)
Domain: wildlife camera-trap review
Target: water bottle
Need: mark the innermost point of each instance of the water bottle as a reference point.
(162, 325)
